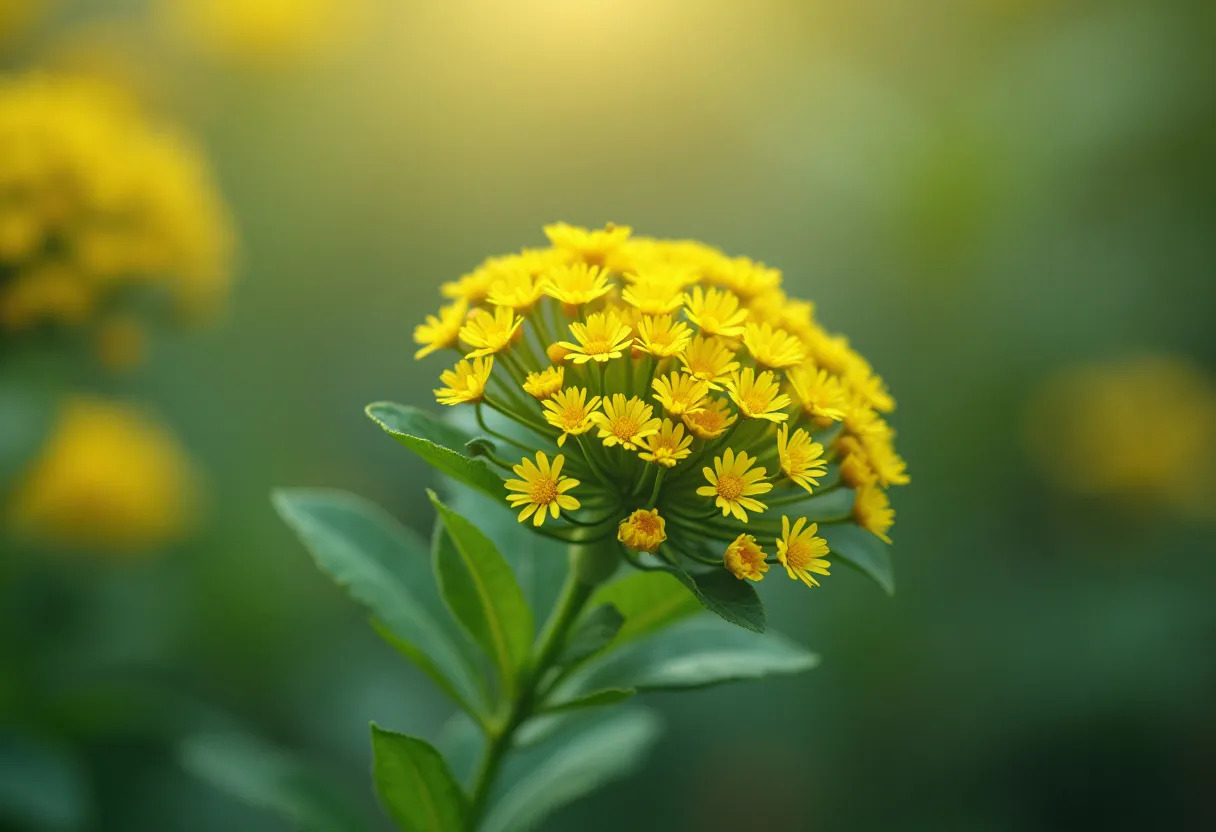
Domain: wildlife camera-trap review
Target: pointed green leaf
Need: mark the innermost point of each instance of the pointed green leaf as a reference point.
(414, 784)
(596, 699)
(570, 765)
(722, 593)
(692, 654)
(649, 601)
(384, 568)
(482, 593)
(861, 550)
(592, 634)
(437, 443)
(268, 778)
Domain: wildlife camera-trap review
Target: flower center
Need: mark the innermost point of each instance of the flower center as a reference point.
(755, 402)
(798, 554)
(647, 524)
(624, 427)
(597, 346)
(730, 487)
(544, 491)
(572, 417)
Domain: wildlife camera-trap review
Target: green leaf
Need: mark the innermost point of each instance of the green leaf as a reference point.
(592, 634)
(437, 443)
(861, 550)
(481, 446)
(414, 784)
(384, 567)
(482, 593)
(570, 765)
(596, 699)
(649, 601)
(832, 505)
(268, 778)
(692, 654)
(25, 420)
(42, 786)
(722, 593)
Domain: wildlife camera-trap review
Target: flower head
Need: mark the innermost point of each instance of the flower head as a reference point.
(490, 333)
(643, 531)
(745, 558)
(772, 348)
(440, 331)
(679, 393)
(733, 483)
(872, 511)
(709, 359)
(801, 458)
(711, 421)
(541, 489)
(603, 337)
(707, 387)
(758, 396)
(668, 446)
(716, 312)
(625, 422)
(542, 384)
(466, 382)
(801, 552)
(569, 411)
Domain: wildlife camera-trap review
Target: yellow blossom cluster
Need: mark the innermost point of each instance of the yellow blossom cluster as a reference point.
(100, 209)
(110, 479)
(682, 396)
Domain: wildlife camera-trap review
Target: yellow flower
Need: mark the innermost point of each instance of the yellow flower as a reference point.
(801, 458)
(758, 396)
(466, 382)
(516, 290)
(833, 353)
(680, 394)
(868, 385)
(860, 419)
(662, 336)
(544, 383)
(442, 331)
(821, 395)
(716, 312)
(855, 470)
(625, 422)
(643, 531)
(711, 422)
(888, 466)
(593, 247)
(709, 359)
(603, 337)
(733, 483)
(872, 511)
(577, 284)
(668, 446)
(570, 412)
(490, 333)
(772, 348)
(541, 488)
(745, 559)
(747, 278)
(654, 296)
(110, 479)
(801, 552)
(471, 288)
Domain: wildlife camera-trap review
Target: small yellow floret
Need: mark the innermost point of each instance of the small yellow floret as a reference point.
(576, 284)
(603, 337)
(712, 421)
(643, 531)
(709, 359)
(733, 483)
(625, 422)
(680, 394)
(872, 510)
(490, 333)
(570, 412)
(668, 446)
(758, 396)
(441, 331)
(745, 558)
(593, 247)
(801, 458)
(772, 348)
(662, 336)
(466, 382)
(543, 384)
(716, 312)
(541, 489)
(801, 552)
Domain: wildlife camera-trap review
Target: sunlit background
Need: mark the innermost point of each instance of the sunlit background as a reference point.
(1007, 205)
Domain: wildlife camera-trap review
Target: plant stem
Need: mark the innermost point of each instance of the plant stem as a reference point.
(578, 589)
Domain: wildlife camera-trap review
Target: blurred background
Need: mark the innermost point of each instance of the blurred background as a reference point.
(1007, 205)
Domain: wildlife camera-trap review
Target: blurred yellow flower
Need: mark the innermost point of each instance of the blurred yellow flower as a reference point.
(543, 384)
(110, 479)
(440, 331)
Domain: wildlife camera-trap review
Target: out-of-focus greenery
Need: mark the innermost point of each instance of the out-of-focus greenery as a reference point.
(979, 193)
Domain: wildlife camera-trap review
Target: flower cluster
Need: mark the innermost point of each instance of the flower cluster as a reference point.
(671, 395)
(99, 208)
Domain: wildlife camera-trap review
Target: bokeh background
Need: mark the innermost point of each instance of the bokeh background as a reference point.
(1004, 204)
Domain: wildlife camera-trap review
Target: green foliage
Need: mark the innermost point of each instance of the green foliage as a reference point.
(648, 601)
(569, 765)
(384, 568)
(723, 594)
(271, 779)
(482, 593)
(597, 699)
(596, 630)
(862, 550)
(25, 419)
(41, 786)
(692, 654)
(437, 443)
(414, 784)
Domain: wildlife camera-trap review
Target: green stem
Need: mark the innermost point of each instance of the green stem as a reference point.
(580, 585)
